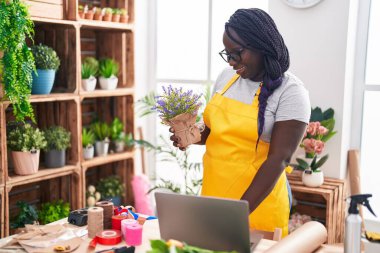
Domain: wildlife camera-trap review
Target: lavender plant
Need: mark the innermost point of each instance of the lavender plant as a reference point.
(175, 101)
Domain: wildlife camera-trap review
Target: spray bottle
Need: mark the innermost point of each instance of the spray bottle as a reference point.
(354, 223)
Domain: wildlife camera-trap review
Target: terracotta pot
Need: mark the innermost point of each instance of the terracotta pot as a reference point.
(89, 15)
(98, 16)
(81, 14)
(124, 19)
(26, 163)
(312, 179)
(115, 17)
(107, 17)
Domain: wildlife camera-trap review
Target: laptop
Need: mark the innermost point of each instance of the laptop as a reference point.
(206, 222)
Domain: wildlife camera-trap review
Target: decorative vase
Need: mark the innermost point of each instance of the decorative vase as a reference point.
(55, 158)
(88, 152)
(26, 163)
(43, 81)
(312, 179)
(89, 84)
(108, 83)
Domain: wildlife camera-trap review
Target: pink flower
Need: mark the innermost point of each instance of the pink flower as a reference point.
(313, 127)
(322, 130)
(319, 146)
(308, 145)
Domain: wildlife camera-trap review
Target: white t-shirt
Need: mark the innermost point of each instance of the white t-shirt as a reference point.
(290, 101)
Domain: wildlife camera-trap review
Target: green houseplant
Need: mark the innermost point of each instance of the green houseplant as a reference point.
(27, 215)
(117, 135)
(53, 211)
(123, 16)
(17, 59)
(108, 71)
(90, 67)
(107, 14)
(102, 135)
(25, 143)
(47, 63)
(111, 188)
(58, 140)
(88, 140)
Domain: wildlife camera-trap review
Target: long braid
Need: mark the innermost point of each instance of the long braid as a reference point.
(258, 30)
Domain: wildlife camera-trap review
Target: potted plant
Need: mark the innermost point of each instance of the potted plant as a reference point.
(102, 135)
(89, 14)
(108, 71)
(107, 14)
(17, 61)
(98, 15)
(312, 176)
(25, 143)
(58, 140)
(53, 211)
(123, 16)
(81, 11)
(88, 140)
(47, 63)
(115, 15)
(111, 188)
(117, 135)
(90, 68)
(27, 215)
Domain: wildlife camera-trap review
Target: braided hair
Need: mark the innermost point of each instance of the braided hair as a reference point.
(258, 30)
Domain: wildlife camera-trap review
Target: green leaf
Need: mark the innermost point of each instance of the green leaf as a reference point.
(320, 162)
(159, 245)
(316, 115)
(328, 114)
(302, 164)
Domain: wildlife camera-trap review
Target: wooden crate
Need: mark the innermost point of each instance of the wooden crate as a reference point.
(2, 211)
(64, 39)
(117, 45)
(55, 9)
(55, 187)
(59, 113)
(325, 203)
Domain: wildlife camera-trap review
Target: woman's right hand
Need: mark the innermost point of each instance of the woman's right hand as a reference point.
(175, 140)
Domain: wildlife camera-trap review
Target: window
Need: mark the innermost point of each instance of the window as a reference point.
(370, 137)
(189, 37)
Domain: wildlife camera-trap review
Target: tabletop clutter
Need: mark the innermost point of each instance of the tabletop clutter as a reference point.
(106, 224)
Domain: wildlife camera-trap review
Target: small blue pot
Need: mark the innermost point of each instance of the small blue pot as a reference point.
(43, 82)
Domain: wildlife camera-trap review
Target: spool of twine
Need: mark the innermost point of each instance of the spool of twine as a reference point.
(107, 213)
(95, 221)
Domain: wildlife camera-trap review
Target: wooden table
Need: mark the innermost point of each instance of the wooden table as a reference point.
(151, 231)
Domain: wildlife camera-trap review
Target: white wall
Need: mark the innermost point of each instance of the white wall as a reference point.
(320, 54)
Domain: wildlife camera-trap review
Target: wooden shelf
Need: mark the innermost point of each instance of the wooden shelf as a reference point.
(107, 93)
(48, 98)
(94, 24)
(101, 160)
(55, 21)
(42, 174)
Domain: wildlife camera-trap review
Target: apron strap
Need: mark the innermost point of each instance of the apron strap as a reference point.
(230, 82)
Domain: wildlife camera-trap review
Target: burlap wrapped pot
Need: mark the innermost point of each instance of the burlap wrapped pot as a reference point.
(185, 129)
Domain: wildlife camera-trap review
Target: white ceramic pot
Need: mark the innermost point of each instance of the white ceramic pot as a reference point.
(89, 84)
(108, 83)
(312, 179)
(119, 146)
(101, 148)
(88, 152)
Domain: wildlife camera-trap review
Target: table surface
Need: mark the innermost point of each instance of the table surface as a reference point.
(151, 231)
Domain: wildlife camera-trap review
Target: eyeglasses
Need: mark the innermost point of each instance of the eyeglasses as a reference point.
(227, 57)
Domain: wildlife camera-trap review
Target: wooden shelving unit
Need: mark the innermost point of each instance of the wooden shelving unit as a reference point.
(58, 25)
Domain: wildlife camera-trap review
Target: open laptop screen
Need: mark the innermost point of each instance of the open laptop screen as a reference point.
(210, 223)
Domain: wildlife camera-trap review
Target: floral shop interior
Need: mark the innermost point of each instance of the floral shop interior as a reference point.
(131, 126)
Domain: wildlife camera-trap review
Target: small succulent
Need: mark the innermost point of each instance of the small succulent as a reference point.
(108, 68)
(45, 57)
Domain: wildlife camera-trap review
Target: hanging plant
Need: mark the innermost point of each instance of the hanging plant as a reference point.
(17, 62)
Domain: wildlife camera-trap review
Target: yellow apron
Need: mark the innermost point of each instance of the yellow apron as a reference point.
(231, 160)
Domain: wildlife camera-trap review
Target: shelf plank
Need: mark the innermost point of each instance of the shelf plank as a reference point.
(48, 98)
(107, 93)
(54, 21)
(100, 160)
(42, 174)
(94, 24)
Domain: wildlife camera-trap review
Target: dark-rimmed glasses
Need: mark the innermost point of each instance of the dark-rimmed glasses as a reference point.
(227, 57)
